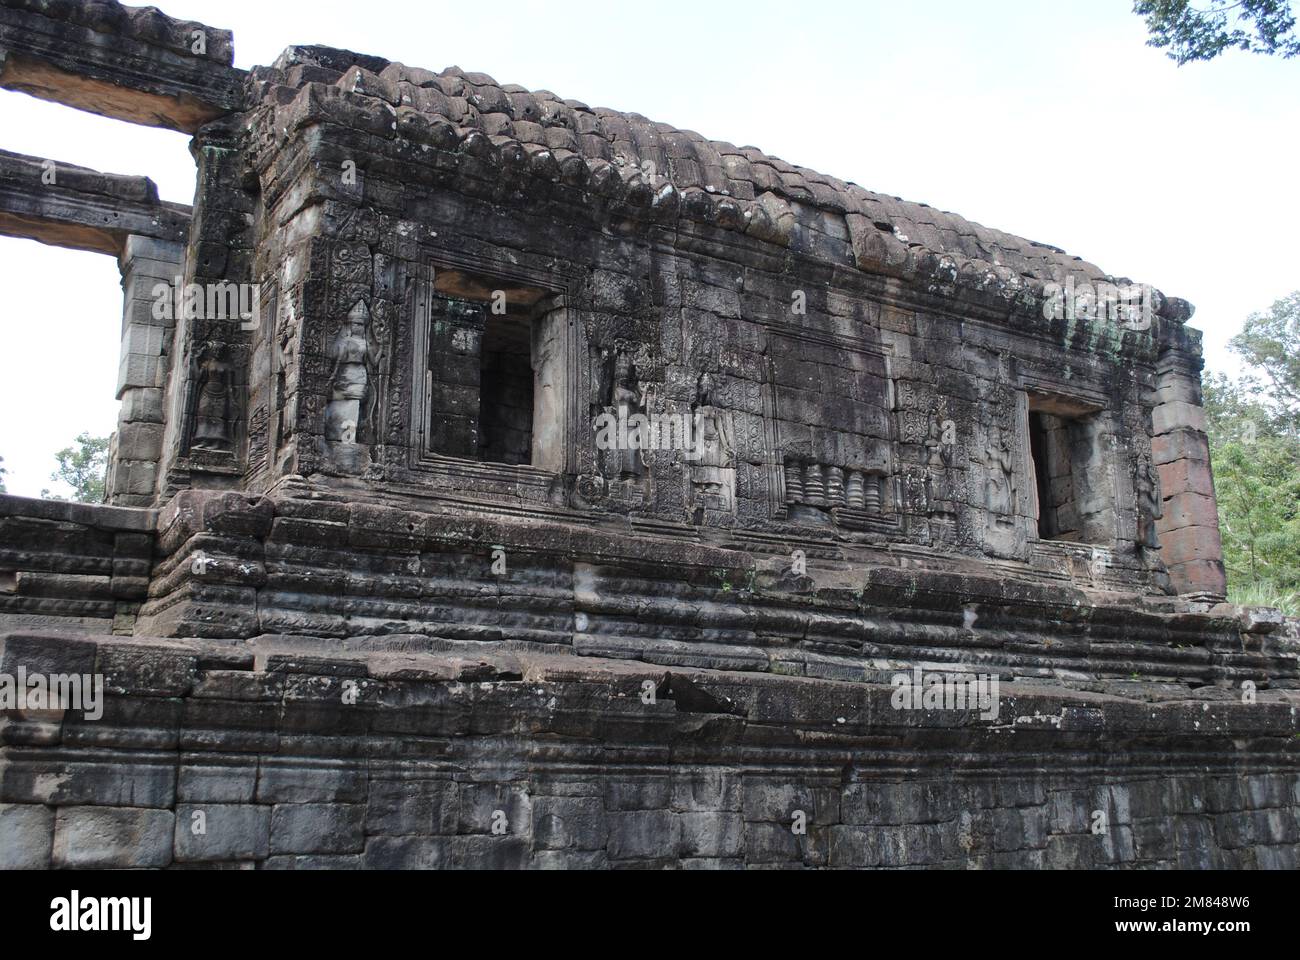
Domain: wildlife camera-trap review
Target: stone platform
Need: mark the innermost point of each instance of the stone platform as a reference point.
(373, 587)
(409, 752)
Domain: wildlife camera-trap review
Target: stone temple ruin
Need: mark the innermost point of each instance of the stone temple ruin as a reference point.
(505, 482)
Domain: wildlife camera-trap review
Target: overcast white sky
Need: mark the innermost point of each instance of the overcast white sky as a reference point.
(1049, 120)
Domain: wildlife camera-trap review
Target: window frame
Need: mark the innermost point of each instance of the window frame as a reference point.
(1079, 408)
(531, 482)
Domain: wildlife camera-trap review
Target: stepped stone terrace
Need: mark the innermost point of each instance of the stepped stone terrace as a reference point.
(502, 481)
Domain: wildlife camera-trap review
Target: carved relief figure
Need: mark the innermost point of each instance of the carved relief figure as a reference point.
(377, 356)
(351, 398)
(940, 455)
(285, 360)
(1149, 505)
(938, 480)
(626, 401)
(1001, 483)
(214, 407)
(713, 469)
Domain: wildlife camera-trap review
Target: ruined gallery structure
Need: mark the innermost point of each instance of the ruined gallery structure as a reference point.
(569, 490)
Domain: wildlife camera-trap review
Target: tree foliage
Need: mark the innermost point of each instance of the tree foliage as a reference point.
(1254, 429)
(1270, 344)
(82, 467)
(3, 471)
(1187, 33)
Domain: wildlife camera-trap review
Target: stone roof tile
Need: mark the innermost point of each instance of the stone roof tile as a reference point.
(694, 165)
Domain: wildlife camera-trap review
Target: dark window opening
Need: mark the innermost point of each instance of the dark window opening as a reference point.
(1049, 445)
(483, 367)
(1069, 475)
(505, 432)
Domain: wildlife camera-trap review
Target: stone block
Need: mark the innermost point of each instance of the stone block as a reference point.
(316, 862)
(26, 836)
(1182, 444)
(139, 441)
(706, 789)
(166, 252)
(301, 828)
(144, 339)
(1277, 858)
(1153, 838)
(112, 838)
(201, 780)
(504, 805)
(775, 800)
(1189, 510)
(1190, 543)
(1176, 415)
(1186, 476)
(490, 853)
(569, 823)
(1199, 576)
(1172, 389)
(638, 793)
(47, 652)
(569, 860)
(136, 780)
(407, 853)
(399, 808)
(221, 832)
(767, 843)
(712, 834)
(142, 405)
(855, 847)
(644, 834)
(140, 370)
(283, 783)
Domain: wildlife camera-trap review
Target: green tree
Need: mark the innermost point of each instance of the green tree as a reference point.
(82, 467)
(1188, 33)
(1254, 428)
(1258, 487)
(1270, 343)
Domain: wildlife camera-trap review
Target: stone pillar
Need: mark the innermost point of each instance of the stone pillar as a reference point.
(136, 447)
(1190, 545)
(551, 390)
(207, 389)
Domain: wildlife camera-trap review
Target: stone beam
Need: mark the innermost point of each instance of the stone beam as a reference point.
(129, 63)
(69, 206)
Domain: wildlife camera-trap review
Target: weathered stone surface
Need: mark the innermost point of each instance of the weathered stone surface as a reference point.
(83, 209)
(203, 779)
(423, 603)
(590, 787)
(222, 832)
(569, 823)
(305, 828)
(398, 808)
(26, 837)
(113, 837)
(130, 63)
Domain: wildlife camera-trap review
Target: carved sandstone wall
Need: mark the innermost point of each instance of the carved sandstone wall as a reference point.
(371, 576)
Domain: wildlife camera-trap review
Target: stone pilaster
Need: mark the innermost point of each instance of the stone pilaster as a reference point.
(1190, 544)
(147, 265)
